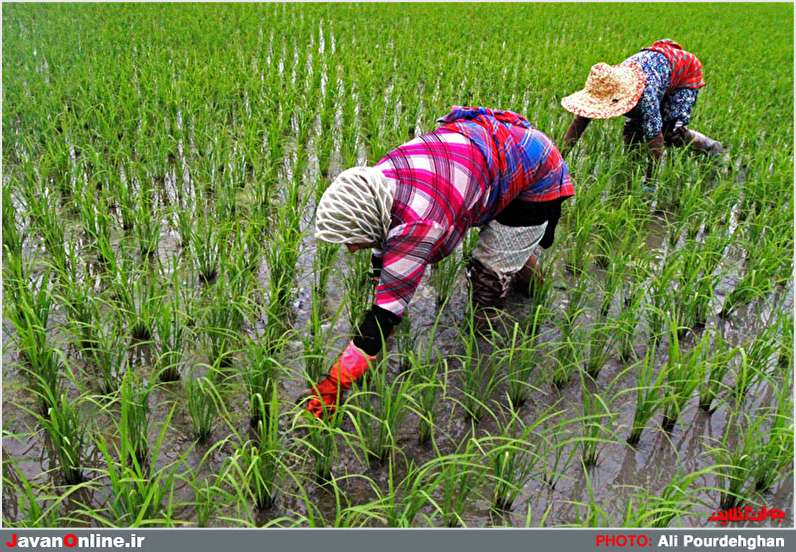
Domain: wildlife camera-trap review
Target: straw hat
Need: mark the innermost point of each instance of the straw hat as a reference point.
(610, 90)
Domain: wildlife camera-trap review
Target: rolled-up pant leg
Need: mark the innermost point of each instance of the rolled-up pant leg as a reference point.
(501, 252)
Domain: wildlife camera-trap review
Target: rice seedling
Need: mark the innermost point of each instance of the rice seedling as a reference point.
(443, 277)
(460, 475)
(377, 409)
(514, 458)
(646, 509)
(720, 360)
(519, 355)
(775, 456)
(256, 466)
(261, 374)
(648, 391)
(65, 427)
(684, 373)
(479, 373)
(358, 286)
(596, 418)
(141, 495)
(171, 338)
(206, 249)
(133, 424)
(200, 400)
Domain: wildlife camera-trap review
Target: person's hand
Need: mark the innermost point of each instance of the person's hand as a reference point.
(348, 368)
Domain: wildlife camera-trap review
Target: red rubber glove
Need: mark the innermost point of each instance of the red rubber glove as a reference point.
(346, 370)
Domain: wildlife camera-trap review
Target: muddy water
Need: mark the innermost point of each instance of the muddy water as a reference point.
(620, 472)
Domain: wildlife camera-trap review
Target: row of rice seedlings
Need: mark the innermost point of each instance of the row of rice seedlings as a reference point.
(519, 356)
(648, 391)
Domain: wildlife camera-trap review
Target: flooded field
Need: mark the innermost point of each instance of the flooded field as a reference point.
(166, 306)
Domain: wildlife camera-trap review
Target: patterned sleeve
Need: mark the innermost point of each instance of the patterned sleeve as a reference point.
(678, 105)
(650, 109)
(406, 254)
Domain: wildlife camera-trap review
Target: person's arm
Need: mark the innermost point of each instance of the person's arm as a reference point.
(575, 131)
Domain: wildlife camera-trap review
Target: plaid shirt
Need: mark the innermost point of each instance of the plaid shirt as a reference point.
(458, 176)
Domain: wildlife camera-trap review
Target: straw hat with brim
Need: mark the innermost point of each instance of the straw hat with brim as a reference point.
(610, 90)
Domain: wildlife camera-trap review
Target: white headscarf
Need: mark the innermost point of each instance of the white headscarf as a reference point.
(355, 208)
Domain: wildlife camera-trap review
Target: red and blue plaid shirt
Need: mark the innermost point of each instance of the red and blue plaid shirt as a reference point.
(460, 175)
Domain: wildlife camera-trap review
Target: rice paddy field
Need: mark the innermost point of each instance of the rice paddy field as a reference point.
(166, 306)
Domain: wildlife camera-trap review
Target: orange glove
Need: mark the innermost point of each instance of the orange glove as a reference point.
(346, 370)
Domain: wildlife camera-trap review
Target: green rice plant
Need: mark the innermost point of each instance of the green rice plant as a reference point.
(405, 342)
(735, 461)
(443, 277)
(405, 501)
(460, 475)
(376, 410)
(358, 286)
(684, 373)
(147, 226)
(140, 495)
(775, 456)
(257, 466)
(648, 391)
(424, 392)
(206, 249)
(600, 344)
(323, 263)
(13, 239)
(261, 374)
(183, 221)
(138, 297)
(171, 337)
(514, 459)
(316, 340)
(519, 355)
(480, 374)
(133, 424)
(320, 439)
(567, 354)
(223, 322)
(65, 427)
(108, 355)
(281, 258)
(720, 359)
(597, 417)
(629, 313)
(200, 400)
(205, 499)
(34, 505)
(646, 509)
